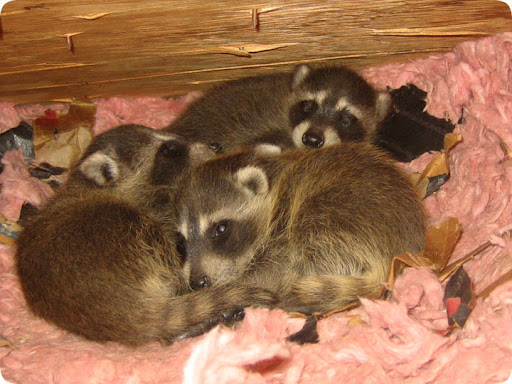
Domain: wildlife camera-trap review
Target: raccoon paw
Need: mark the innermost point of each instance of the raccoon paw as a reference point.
(233, 316)
(308, 334)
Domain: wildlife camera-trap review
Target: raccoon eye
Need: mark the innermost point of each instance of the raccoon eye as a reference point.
(220, 228)
(171, 148)
(308, 106)
(216, 147)
(347, 119)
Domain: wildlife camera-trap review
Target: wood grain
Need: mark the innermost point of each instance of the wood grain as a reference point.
(58, 50)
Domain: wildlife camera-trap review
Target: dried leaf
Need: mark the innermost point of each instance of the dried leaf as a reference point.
(438, 167)
(5, 343)
(61, 138)
(346, 307)
(459, 298)
(451, 268)
(355, 321)
(503, 279)
(441, 240)
(66, 149)
(506, 150)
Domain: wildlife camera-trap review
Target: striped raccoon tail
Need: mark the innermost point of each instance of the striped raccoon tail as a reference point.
(324, 293)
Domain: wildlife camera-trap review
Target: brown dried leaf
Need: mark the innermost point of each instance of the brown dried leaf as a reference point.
(451, 268)
(66, 149)
(441, 240)
(503, 279)
(438, 166)
(5, 343)
(407, 259)
(61, 138)
(459, 298)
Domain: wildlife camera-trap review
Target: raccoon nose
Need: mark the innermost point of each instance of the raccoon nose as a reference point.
(312, 139)
(199, 283)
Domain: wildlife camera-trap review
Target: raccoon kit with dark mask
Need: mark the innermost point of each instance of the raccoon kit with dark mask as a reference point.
(100, 260)
(318, 227)
(311, 107)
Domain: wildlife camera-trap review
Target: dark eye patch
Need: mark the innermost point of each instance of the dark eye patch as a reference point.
(171, 159)
(348, 127)
(230, 238)
(181, 247)
(172, 148)
(301, 111)
(346, 119)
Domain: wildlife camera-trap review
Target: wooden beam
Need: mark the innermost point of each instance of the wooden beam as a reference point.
(56, 50)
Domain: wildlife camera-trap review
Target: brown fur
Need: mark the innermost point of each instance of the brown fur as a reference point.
(310, 107)
(101, 260)
(318, 227)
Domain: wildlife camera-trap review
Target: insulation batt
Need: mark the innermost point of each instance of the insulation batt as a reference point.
(395, 341)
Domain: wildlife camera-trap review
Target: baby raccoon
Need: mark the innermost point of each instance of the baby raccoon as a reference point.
(319, 227)
(101, 261)
(310, 107)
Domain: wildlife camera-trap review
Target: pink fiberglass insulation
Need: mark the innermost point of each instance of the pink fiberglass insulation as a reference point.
(395, 341)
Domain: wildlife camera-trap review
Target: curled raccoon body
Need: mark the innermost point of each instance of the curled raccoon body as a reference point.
(306, 108)
(318, 227)
(101, 260)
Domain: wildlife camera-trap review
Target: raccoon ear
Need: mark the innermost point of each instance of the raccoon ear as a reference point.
(299, 75)
(252, 180)
(100, 168)
(382, 104)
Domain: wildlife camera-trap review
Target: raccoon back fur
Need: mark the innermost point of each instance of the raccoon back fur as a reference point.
(318, 227)
(101, 260)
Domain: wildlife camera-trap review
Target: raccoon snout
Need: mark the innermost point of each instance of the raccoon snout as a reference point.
(200, 282)
(312, 139)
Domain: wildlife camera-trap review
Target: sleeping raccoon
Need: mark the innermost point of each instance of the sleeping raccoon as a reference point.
(319, 227)
(310, 107)
(101, 260)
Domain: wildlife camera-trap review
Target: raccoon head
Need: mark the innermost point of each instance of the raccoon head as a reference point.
(134, 154)
(334, 104)
(222, 216)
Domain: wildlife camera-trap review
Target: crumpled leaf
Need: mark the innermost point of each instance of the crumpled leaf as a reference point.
(61, 139)
(438, 170)
(440, 242)
(4, 342)
(459, 298)
(503, 279)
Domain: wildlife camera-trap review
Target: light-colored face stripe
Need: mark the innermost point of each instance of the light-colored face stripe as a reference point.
(164, 136)
(206, 220)
(298, 132)
(345, 104)
(331, 137)
(319, 96)
(183, 229)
